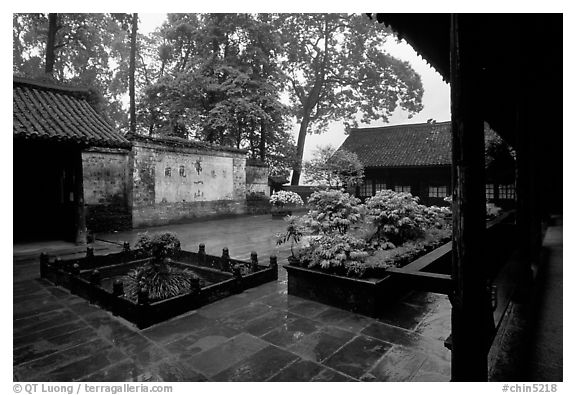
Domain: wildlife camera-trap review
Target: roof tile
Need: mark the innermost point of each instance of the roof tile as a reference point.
(44, 111)
(425, 144)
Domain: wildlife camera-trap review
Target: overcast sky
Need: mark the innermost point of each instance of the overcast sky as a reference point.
(436, 97)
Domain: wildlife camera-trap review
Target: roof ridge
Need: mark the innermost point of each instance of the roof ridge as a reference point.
(49, 85)
(399, 126)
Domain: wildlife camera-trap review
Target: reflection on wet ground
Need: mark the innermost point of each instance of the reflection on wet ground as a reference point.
(262, 334)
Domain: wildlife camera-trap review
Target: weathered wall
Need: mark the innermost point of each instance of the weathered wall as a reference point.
(257, 178)
(106, 189)
(179, 182)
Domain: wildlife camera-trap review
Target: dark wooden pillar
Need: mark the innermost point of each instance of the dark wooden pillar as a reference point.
(79, 209)
(472, 322)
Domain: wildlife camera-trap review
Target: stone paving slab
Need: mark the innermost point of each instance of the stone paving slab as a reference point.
(262, 334)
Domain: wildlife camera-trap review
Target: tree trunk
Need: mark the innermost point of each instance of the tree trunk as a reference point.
(51, 43)
(133, 34)
(297, 171)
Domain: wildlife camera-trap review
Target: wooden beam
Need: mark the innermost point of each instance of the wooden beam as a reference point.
(423, 281)
(472, 321)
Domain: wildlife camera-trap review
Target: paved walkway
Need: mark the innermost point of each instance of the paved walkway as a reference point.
(530, 344)
(262, 334)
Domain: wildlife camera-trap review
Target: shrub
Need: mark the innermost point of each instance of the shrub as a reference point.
(335, 252)
(159, 245)
(160, 280)
(294, 232)
(332, 211)
(157, 277)
(399, 217)
(282, 198)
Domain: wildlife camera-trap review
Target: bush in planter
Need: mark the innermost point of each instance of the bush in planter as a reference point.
(340, 240)
(335, 252)
(399, 217)
(281, 199)
(161, 280)
(332, 211)
(159, 245)
(332, 215)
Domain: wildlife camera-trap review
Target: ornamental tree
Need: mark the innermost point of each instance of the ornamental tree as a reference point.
(337, 69)
(334, 168)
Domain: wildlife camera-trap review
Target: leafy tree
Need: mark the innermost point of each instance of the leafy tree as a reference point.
(219, 82)
(336, 68)
(334, 168)
(500, 158)
(76, 49)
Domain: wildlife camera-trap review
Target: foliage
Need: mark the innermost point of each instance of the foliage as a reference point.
(161, 281)
(336, 252)
(500, 158)
(326, 226)
(295, 230)
(399, 217)
(401, 255)
(218, 81)
(158, 245)
(336, 68)
(282, 198)
(91, 50)
(332, 211)
(158, 277)
(334, 168)
(343, 236)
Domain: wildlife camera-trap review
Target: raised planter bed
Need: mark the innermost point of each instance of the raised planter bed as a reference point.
(96, 278)
(369, 296)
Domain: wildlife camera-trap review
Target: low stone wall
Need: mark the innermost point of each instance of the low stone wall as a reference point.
(169, 213)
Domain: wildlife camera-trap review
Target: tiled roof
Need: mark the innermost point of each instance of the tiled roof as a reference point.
(421, 144)
(47, 112)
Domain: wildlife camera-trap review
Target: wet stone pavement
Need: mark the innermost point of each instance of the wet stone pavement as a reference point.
(262, 334)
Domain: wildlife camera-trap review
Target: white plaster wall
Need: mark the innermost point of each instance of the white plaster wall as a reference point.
(206, 178)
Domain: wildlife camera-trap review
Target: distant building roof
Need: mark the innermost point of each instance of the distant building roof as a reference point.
(45, 111)
(424, 144)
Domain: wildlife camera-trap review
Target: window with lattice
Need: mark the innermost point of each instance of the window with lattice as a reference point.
(402, 188)
(438, 191)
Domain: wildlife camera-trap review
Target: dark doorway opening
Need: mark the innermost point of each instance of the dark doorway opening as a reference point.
(44, 203)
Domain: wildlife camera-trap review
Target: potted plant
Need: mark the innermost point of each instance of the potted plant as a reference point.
(157, 277)
(283, 202)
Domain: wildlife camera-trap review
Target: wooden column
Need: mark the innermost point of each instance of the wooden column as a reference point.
(472, 322)
(79, 209)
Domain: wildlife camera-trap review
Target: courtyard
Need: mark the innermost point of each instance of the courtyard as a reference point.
(262, 334)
